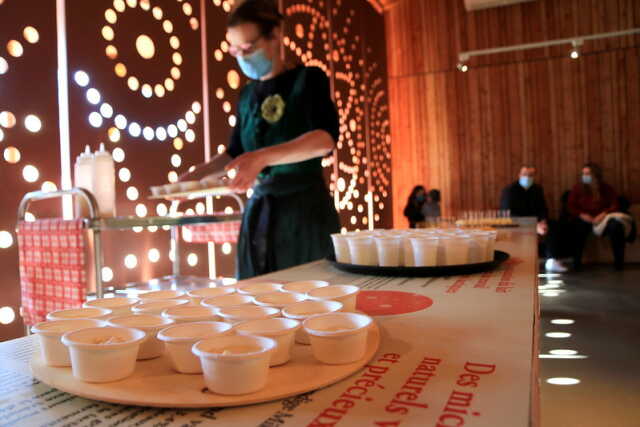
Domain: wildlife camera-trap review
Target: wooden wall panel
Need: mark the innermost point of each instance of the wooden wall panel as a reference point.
(468, 133)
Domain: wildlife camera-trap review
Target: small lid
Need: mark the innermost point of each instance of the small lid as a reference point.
(85, 155)
(102, 152)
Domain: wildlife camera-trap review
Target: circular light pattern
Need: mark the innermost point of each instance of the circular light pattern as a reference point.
(32, 123)
(132, 193)
(226, 248)
(111, 52)
(29, 217)
(137, 229)
(133, 83)
(107, 274)
(119, 5)
(124, 175)
(172, 130)
(218, 55)
(141, 210)
(162, 209)
(176, 160)
(563, 352)
(194, 24)
(7, 119)
(6, 239)
(49, 187)
(30, 173)
(95, 119)
(228, 210)
(146, 90)
(232, 120)
(93, 96)
(134, 129)
(172, 177)
(192, 259)
(113, 134)
(120, 70)
(563, 381)
(12, 155)
(182, 125)
(145, 46)
(130, 261)
(557, 335)
(221, 149)
(178, 143)
(107, 33)
(106, 110)
(15, 48)
(233, 79)
(110, 16)
(190, 135)
(175, 73)
(190, 117)
(169, 84)
(118, 155)
(7, 315)
(563, 322)
(4, 65)
(161, 133)
(120, 121)
(220, 93)
(196, 107)
(148, 133)
(200, 208)
(154, 255)
(167, 26)
(31, 35)
(176, 58)
(157, 13)
(226, 106)
(159, 90)
(174, 42)
(152, 228)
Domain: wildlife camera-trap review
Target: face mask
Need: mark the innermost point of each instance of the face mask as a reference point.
(587, 179)
(526, 182)
(255, 65)
(420, 198)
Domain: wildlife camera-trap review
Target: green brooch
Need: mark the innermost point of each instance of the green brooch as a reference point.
(273, 108)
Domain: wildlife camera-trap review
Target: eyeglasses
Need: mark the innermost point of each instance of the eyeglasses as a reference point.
(245, 48)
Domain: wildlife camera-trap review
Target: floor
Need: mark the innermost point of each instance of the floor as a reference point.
(604, 348)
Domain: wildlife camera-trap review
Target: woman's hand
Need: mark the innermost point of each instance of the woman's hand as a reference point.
(598, 219)
(247, 166)
(586, 218)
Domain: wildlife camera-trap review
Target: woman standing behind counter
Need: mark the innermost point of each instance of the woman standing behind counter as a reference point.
(286, 123)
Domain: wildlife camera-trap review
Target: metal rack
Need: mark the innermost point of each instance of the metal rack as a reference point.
(97, 224)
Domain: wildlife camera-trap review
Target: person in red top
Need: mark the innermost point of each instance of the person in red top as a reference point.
(589, 203)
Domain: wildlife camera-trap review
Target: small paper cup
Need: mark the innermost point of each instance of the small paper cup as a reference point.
(247, 312)
(80, 313)
(197, 295)
(305, 309)
(49, 333)
(389, 249)
(278, 299)
(280, 329)
(456, 250)
(235, 364)
(223, 301)
(425, 251)
(338, 338)
(157, 307)
(100, 355)
(179, 339)
(341, 248)
(150, 324)
(258, 288)
(362, 250)
(304, 286)
(119, 306)
(162, 295)
(189, 313)
(345, 294)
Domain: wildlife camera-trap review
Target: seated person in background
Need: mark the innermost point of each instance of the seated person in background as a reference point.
(413, 210)
(431, 207)
(525, 198)
(592, 205)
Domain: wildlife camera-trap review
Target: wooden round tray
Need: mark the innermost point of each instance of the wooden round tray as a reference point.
(155, 383)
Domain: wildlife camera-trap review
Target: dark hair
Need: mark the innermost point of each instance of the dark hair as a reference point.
(434, 195)
(263, 13)
(415, 190)
(595, 171)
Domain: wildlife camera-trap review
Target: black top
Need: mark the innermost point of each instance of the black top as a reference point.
(523, 202)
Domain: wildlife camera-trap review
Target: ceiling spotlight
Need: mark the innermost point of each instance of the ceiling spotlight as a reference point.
(462, 63)
(574, 53)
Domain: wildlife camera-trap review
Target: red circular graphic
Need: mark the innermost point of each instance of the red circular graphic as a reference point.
(385, 303)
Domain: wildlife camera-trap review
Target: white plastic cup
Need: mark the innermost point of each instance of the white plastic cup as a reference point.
(235, 365)
(222, 301)
(119, 306)
(49, 333)
(241, 313)
(278, 299)
(304, 286)
(493, 235)
(150, 324)
(80, 313)
(407, 249)
(258, 288)
(280, 329)
(345, 294)
(362, 250)
(457, 250)
(425, 251)
(162, 295)
(197, 295)
(338, 338)
(190, 313)
(178, 340)
(389, 249)
(341, 248)
(100, 355)
(157, 307)
(305, 309)
(478, 247)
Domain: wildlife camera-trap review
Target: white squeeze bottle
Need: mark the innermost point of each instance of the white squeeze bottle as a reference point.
(104, 182)
(83, 178)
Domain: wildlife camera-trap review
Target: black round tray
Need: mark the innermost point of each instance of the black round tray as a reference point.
(448, 270)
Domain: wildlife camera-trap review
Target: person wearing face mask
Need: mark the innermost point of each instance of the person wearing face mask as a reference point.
(526, 198)
(413, 209)
(287, 122)
(590, 202)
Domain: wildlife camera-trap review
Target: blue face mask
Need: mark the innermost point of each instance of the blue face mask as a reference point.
(587, 179)
(526, 182)
(420, 198)
(255, 65)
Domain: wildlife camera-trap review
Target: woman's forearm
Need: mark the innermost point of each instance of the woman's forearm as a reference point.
(215, 166)
(317, 143)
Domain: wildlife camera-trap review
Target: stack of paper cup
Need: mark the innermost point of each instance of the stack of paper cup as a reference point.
(341, 248)
(425, 250)
(362, 250)
(491, 245)
(456, 249)
(389, 250)
(478, 249)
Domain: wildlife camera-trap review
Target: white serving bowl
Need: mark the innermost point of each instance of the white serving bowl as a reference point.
(346, 294)
(80, 313)
(305, 309)
(278, 299)
(150, 324)
(119, 306)
(338, 338)
(280, 329)
(100, 355)
(179, 339)
(49, 333)
(235, 365)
